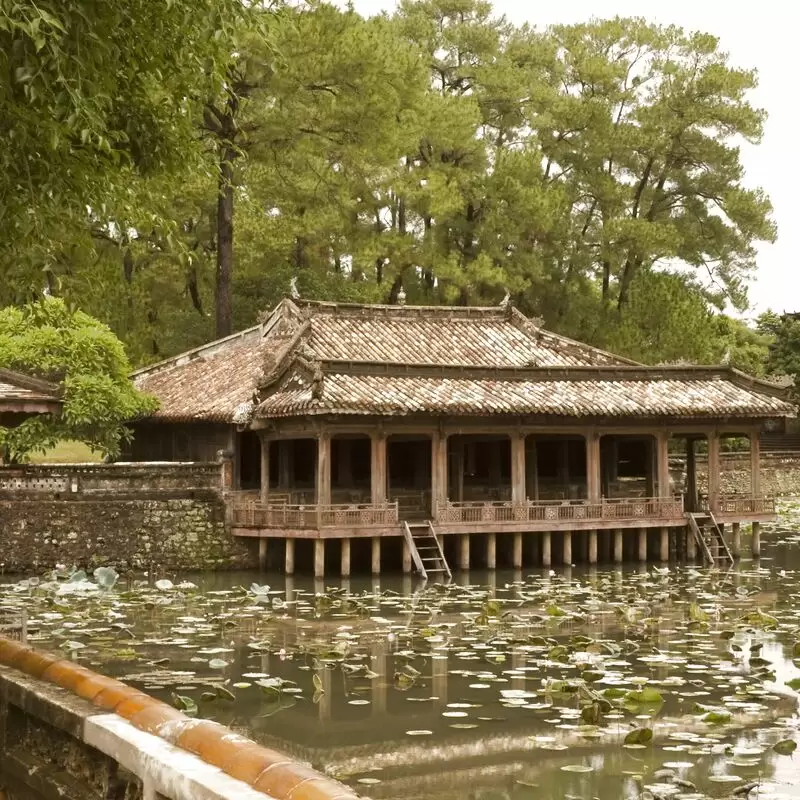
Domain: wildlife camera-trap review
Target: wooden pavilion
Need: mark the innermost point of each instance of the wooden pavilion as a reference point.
(353, 425)
(22, 397)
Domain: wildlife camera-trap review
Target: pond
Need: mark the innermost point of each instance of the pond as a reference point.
(629, 682)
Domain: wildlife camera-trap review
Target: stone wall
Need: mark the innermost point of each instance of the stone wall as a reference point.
(780, 474)
(130, 516)
(153, 534)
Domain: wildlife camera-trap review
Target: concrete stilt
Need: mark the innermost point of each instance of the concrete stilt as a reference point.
(491, 550)
(406, 557)
(376, 555)
(463, 551)
(566, 552)
(547, 558)
(289, 557)
(517, 554)
(319, 558)
(642, 539)
(756, 543)
(691, 545)
(592, 547)
(263, 543)
(736, 540)
(618, 546)
(345, 558)
(663, 544)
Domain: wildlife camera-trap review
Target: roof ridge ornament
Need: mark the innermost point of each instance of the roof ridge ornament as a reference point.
(294, 292)
(401, 296)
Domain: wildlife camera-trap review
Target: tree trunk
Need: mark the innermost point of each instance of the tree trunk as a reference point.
(224, 320)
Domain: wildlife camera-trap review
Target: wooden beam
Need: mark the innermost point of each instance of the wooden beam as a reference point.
(345, 561)
(289, 557)
(592, 547)
(491, 550)
(593, 486)
(378, 467)
(324, 469)
(264, 493)
(518, 476)
(713, 470)
(755, 464)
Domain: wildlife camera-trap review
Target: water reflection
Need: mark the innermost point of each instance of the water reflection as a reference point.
(486, 688)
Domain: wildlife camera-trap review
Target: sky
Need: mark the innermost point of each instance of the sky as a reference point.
(760, 35)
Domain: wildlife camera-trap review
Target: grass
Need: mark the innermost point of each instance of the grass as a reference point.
(67, 452)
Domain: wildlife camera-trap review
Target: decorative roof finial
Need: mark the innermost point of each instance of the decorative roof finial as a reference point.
(294, 292)
(401, 297)
(504, 303)
(726, 357)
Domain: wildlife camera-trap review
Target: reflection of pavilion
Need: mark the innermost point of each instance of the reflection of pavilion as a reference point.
(347, 739)
(346, 421)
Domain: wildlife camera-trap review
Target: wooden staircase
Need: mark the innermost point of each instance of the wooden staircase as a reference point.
(709, 537)
(426, 549)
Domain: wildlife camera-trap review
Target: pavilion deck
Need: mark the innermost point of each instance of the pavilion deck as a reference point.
(281, 519)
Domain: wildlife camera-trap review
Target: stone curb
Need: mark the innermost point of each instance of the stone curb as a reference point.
(268, 771)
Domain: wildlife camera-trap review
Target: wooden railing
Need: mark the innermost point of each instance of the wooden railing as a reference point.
(249, 513)
(555, 510)
(739, 504)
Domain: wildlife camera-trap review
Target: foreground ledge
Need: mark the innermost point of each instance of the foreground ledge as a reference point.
(116, 736)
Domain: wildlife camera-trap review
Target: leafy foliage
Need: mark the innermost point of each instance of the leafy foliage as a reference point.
(48, 339)
(592, 170)
(784, 349)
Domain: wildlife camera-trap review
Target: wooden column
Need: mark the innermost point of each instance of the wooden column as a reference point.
(264, 495)
(663, 544)
(518, 487)
(566, 548)
(618, 546)
(517, 554)
(755, 544)
(345, 558)
(324, 469)
(319, 558)
(376, 555)
(378, 467)
(736, 540)
(438, 471)
(463, 551)
(406, 557)
(262, 553)
(691, 545)
(662, 464)
(642, 540)
(755, 464)
(547, 557)
(491, 550)
(593, 490)
(592, 547)
(289, 557)
(713, 470)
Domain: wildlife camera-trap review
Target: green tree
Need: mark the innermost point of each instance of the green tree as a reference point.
(783, 333)
(48, 339)
(93, 96)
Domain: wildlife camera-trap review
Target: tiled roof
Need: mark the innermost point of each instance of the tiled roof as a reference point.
(210, 385)
(403, 359)
(612, 396)
(18, 388)
(448, 336)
